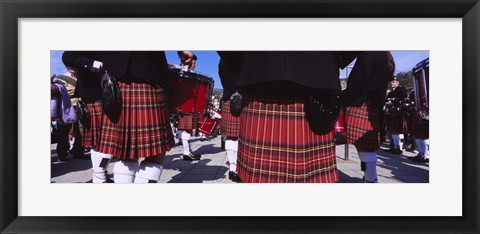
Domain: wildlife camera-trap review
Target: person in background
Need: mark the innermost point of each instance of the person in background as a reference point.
(186, 124)
(364, 99)
(69, 80)
(396, 122)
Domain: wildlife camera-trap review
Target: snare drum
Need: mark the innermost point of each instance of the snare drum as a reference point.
(208, 126)
(189, 92)
(421, 86)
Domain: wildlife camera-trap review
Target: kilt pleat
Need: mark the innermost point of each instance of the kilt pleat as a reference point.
(396, 124)
(91, 136)
(363, 127)
(187, 122)
(143, 129)
(276, 144)
(229, 125)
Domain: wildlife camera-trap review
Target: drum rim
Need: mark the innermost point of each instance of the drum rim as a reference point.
(421, 65)
(189, 74)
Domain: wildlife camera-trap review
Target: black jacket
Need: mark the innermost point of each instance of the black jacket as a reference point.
(137, 66)
(126, 66)
(88, 82)
(228, 77)
(398, 92)
(368, 79)
(288, 72)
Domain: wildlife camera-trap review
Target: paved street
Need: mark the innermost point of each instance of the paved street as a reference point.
(213, 167)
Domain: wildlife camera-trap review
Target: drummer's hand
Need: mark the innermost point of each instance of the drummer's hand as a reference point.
(188, 58)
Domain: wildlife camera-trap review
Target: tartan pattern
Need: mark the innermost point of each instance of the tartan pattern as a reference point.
(229, 125)
(143, 129)
(276, 144)
(187, 123)
(91, 136)
(396, 124)
(362, 125)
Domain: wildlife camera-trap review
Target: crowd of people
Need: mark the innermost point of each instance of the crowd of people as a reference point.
(277, 113)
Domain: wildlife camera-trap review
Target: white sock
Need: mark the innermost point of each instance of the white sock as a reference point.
(186, 145)
(371, 172)
(426, 148)
(232, 147)
(148, 173)
(100, 163)
(370, 160)
(400, 141)
(179, 135)
(420, 146)
(124, 171)
(396, 140)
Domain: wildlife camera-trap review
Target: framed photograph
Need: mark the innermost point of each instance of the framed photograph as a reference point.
(32, 30)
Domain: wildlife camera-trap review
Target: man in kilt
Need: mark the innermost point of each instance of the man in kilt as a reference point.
(89, 90)
(276, 142)
(229, 124)
(142, 130)
(364, 99)
(396, 123)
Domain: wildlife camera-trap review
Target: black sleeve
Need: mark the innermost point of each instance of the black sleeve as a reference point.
(77, 59)
(403, 92)
(346, 57)
(358, 80)
(232, 59)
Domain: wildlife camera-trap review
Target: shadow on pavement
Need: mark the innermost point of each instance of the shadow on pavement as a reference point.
(209, 149)
(344, 178)
(194, 172)
(71, 165)
(402, 168)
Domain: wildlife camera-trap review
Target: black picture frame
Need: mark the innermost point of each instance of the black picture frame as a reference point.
(11, 11)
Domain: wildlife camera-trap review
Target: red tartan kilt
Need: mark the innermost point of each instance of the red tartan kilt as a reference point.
(363, 127)
(143, 129)
(187, 123)
(420, 131)
(229, 125)
(396, 124)
(276, 144)
(91, 136)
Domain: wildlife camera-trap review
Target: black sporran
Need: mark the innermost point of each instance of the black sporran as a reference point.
(236, 104)
(83, 114)
(111, 98)
(322, 112)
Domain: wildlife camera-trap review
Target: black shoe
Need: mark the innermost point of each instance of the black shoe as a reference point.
(396, 151)
(233, 176)
(196, 156)
(61, 159)
(108, 180)
(421, 159)
(190, 158)
(203, 139)
(416, 157)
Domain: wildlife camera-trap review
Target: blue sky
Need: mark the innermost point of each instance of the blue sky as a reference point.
(208, 62)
